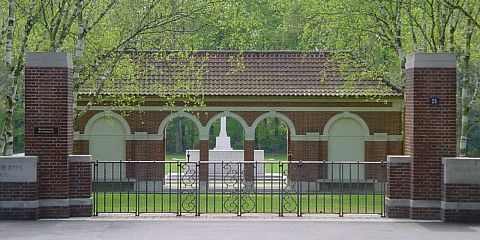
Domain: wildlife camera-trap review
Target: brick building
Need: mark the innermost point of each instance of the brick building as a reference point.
(332, 108)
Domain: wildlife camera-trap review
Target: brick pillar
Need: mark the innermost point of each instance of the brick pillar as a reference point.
(80, 187)
(397, 202)
(249, 156)
(430, 127)
(49, 128)
(203, 174)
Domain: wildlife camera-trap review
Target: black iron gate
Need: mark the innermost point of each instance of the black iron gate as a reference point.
(278, 187)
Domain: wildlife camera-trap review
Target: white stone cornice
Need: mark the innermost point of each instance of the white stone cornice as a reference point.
(382, 137)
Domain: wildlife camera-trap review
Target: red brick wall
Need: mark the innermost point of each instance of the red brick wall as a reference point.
(398, 187)
(80, 187)
(378, 122)
(81, 147)
(384, 122)
(461, 193)
(146, 150)
(18, 191)
(249, 155)
(375, 151)
(395, 148)
(204, 151)
(398, 176)
(430, 131)
(48, 102)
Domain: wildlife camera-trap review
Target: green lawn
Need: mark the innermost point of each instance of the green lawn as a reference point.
(218, 203)
(274, 168)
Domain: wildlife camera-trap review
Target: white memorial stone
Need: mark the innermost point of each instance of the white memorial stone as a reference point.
(216, 169)
(224, 152)
(223, 140)
(18, 169)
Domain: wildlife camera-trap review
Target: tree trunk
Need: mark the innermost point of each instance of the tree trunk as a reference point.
(14, 71)
(79, 46)
(465, 92)
(276, 135)
(6, 142)
(178, 136)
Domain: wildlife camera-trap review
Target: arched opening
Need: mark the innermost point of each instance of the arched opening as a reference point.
(346, 144)
(181, 135)
(107, 143)
(271, 136)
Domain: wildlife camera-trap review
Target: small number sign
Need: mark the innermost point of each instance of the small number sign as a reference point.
(434, 101)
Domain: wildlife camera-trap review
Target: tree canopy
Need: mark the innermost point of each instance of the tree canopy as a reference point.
(96, 32)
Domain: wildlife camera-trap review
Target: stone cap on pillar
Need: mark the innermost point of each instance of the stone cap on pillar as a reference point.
(80, 158)
(49, 60)
(461, 170)
(399, 159)
(431, 60)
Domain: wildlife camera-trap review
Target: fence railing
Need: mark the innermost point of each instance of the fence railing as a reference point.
(279, 187)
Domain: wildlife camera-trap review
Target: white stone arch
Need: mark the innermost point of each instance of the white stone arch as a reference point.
(100, 115)
(107, 133)
(332, 120)
(273, 114)
(161, 129)
(227, 114)
(346, 133)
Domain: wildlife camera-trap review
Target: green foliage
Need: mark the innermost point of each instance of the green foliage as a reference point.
(378, 33)
(189, 135)
(271, 136)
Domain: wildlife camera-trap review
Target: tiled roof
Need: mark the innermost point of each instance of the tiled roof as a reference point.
(249, 73)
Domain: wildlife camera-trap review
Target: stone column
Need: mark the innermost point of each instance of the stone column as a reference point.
(430, 127)
(49, 127)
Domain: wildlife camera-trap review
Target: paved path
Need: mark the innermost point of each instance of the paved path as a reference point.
(235, 228)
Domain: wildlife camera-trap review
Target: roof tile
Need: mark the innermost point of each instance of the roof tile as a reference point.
(250, 73)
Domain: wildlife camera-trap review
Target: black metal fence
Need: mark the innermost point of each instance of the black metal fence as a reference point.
(283, 187)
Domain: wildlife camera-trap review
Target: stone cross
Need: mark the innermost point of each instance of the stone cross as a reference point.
(223, 141)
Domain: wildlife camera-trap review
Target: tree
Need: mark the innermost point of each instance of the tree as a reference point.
(14, 68)
(104, 30)
(398, 27)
